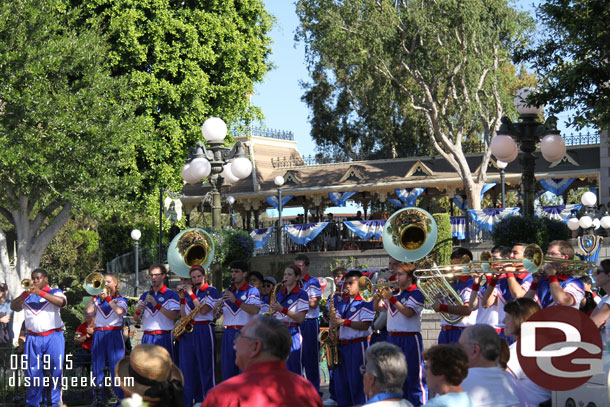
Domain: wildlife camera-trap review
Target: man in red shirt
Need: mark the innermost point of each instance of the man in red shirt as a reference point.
(261, 349)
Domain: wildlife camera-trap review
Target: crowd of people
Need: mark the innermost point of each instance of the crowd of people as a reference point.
(270, 351)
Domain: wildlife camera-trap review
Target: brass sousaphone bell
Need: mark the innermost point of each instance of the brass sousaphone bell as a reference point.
(94, 283)
(191, 247)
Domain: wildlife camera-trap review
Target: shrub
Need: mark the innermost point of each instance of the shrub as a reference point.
(444, 243)
(528, 229)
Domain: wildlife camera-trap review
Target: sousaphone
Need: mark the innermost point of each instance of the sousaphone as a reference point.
(191, 247)
(409, 234)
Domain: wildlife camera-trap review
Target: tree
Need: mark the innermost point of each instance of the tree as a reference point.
(448, 60)
(185, 61)
(67, 131)
(572, 59)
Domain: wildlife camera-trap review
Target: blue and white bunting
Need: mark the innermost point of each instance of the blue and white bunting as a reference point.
(366, 229)
(408, 196)
(305, 233)
(339, 199)
(556, 186)
(458, 227)
(260, 236)
(559, 212)
(396, 202)
(272, 200)
(486, 188)
(460, 201)
(486, 218)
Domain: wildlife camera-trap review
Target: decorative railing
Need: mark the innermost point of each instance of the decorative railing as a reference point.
(581, 139)
(268, 133)
(126, 263)
(287, 162)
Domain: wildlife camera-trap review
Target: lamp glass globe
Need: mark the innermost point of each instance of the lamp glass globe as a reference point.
(504, 148)
(187, 176)
(588, 198)
(231, 199)
(522, 106)
(573, 223)
(241, 167)
(227, 174)
(553, 147)
(605, 222)
(214, 129)
(279, 181)
(585, 222)
(136, 234)
(596, 223)
(200, 168)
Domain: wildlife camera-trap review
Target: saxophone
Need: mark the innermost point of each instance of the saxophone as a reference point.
(330, 338)
(273, 298)
(185, 324)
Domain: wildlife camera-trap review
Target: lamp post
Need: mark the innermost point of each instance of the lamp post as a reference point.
(502, 165)
(528, 132)
(279, 181)
(135, 235)
(225, 164)
(588, 222)
(231, 201)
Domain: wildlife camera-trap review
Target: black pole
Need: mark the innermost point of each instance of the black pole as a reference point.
(159, 257)
(503, 190)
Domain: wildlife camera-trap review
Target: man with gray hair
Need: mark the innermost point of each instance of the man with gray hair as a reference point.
(486, 384)
(262, 347)
(384, 374)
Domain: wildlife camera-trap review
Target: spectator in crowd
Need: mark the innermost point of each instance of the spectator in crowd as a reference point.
(127, 335)
(602, 312)
(383, 376)
(446, 366)
(149, 373)
(516, 313)
(591, 299)
(83, 337)
(6, 315)
(262, 347)
(332, 234)
(486, 384)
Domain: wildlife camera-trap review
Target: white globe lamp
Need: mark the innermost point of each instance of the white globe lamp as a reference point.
(241, 167)
(553, 147)
(214, 129)
(504, 148)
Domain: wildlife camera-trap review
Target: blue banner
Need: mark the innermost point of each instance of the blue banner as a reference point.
(458, 227)
(486, 218)
(339, 199)
(366, 229)
(260, 236)
(272, 200)
(305, 233)
(460, 201)
(559, 212)
(556, 185)
(408, 196)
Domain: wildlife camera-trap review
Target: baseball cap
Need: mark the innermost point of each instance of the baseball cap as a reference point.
(3, 287)
(271, 280)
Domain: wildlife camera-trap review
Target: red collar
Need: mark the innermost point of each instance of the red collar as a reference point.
(47, 289)
(163, 289)
(357, 298)
(306, 277)
(392, 277)
(463, 279)
(413, 287)
(204, 287)
(521, 276)
(244, 287)
(562, 277)
(295, 290)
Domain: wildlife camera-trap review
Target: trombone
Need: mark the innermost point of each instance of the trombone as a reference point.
(368, 289)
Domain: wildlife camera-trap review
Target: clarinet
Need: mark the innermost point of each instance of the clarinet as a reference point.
(138, 324)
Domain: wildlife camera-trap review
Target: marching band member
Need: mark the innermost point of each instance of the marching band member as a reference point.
(158, 309)
(338, 274)
(239, 304)
(107, 310)
(450, 333)
(552, 287)
(354, 317)
(197, 348)
(44, 344)
(310, 328)
(518, 282)
(404, 330)
(290, 307)
(380, 329)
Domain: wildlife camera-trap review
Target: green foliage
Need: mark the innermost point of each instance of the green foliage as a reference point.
(67, 130)
(444, 243)
(572, 58)
(185, 62)
(73, 253)
(403, 76)
(230, 245)
(528, 229)
(115, 238)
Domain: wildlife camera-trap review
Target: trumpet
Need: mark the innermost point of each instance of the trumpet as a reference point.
(27, 284)
(368, 289)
